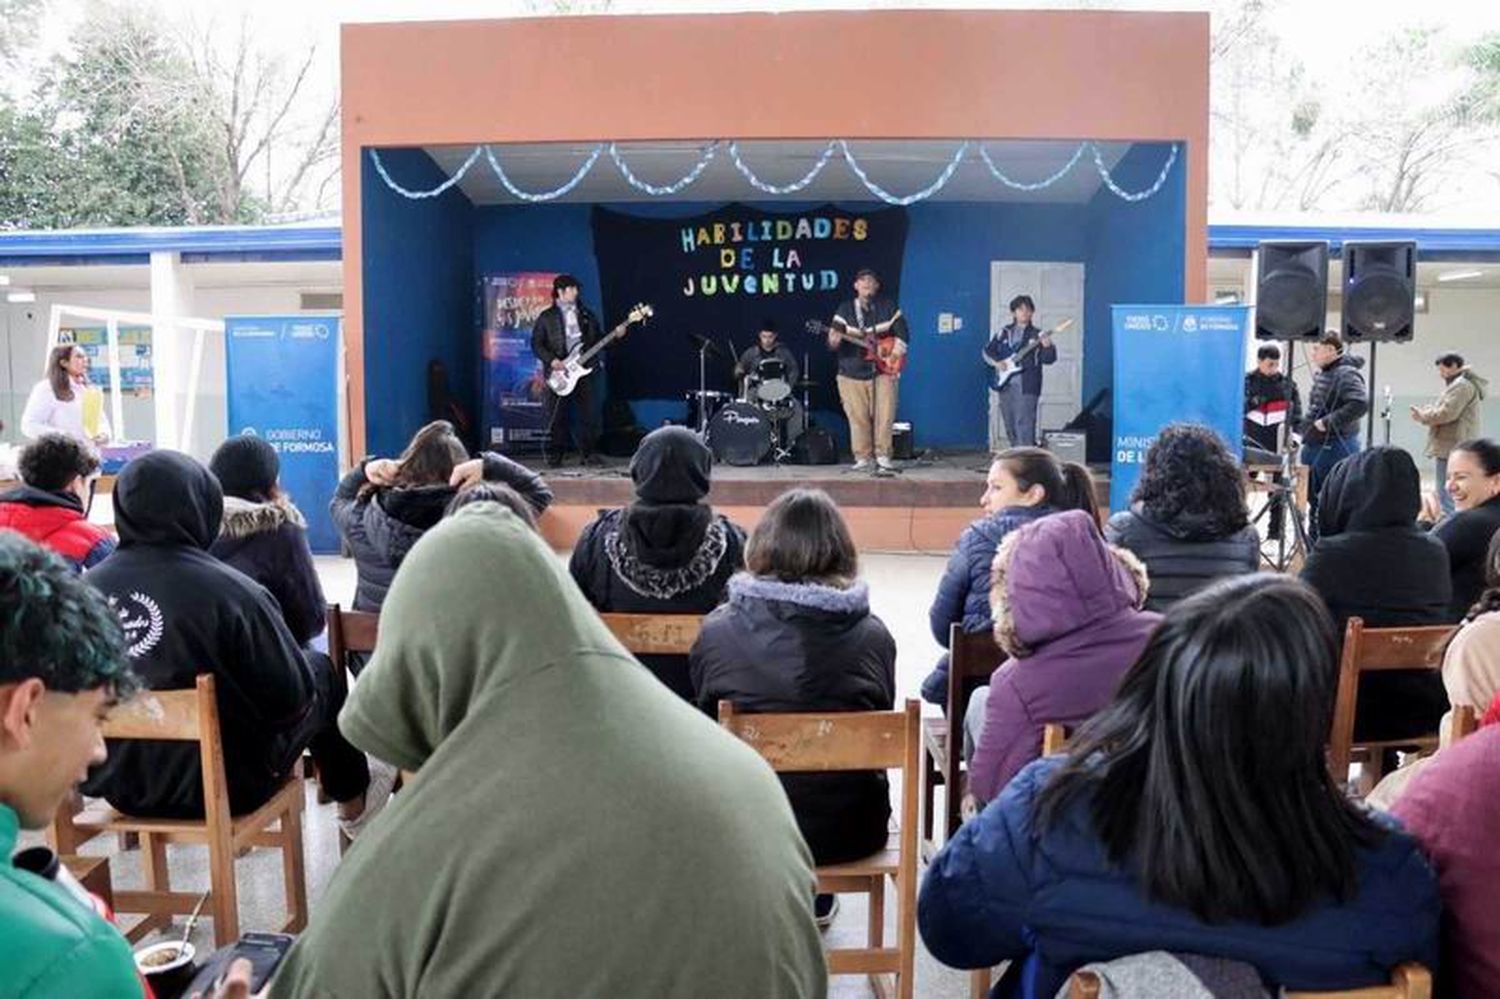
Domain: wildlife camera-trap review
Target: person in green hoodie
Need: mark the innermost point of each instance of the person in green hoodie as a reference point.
(573, 827)
(62, 666)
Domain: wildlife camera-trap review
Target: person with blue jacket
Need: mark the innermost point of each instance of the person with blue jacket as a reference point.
(1024, 484)
(1195, 815)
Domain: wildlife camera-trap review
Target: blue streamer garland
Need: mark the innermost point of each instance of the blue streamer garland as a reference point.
(834, 145)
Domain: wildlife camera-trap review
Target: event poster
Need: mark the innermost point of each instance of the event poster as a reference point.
(135, 356)
(721, 274)
(514, 417)
(282, 379)
(1174, 364)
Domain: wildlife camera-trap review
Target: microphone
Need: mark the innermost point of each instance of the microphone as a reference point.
(1387, 414)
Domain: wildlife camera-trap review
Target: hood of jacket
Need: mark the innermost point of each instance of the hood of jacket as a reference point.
(396, 518)
(996, 526)
(1188, 525)
(243, 517)
(167, 498)
(34, 497)
(802, 598)
(432, 674)
(1346, 361)
(1481, 385)
(1373, 489)
(1058, 576)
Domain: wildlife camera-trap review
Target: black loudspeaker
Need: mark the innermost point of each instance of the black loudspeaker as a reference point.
(1380, 291)
(903, 442)
(1291, 297)
(815, 447)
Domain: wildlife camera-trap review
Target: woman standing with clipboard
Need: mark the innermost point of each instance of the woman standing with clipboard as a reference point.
(64, 401)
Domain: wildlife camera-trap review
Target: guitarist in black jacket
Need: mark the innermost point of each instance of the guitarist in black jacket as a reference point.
(562, 328)
(1019, 400)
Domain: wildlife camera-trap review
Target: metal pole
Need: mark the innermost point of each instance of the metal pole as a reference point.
(1370, 387)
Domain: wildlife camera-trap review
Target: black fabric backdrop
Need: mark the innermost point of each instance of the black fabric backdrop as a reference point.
(790, 267)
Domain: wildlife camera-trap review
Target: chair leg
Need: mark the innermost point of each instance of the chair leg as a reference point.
(225, 894)
(929, 796)
(877, 912)
(292, 868)
(979, 983)
(158, 879)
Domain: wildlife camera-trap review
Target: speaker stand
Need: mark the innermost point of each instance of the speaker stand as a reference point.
(1370, 416)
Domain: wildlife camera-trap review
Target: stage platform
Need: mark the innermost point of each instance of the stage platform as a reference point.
(922, 508)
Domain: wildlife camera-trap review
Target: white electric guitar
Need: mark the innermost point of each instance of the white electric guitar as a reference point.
(1010, 367)
(575, 367)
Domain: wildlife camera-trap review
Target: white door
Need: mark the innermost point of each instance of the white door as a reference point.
(1057, 289)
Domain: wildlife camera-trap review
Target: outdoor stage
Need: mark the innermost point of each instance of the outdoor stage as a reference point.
(921, 509)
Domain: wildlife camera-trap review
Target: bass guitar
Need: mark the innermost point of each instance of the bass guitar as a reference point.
(878, 341)
(575, 367)
(1010, 367)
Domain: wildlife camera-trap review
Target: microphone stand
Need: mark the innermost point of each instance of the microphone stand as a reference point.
(703, 389)
(1385, 415)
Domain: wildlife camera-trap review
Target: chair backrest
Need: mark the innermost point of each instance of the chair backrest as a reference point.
(1054, 739)
(1408, 981)
(350, 631)
(1463, 721)
(655, 634)
(1371, 650)
(972, 658)
(179, 716)
(851, 740)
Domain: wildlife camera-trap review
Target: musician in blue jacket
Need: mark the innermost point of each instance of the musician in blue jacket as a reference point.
(1017, 402)
(566, 326)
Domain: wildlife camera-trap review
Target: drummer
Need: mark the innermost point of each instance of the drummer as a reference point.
(767, 348)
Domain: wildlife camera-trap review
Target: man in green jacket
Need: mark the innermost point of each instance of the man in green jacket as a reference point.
(62, 666)
(1452, 418)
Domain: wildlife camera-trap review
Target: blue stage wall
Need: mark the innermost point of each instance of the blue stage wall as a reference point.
(420, 297)
(423, 260)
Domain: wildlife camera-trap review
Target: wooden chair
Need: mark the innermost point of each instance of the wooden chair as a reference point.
(655, 634)
(971, 660)
(1375, 650)
(350, 631)
(1463, 721)
(1408, 981)
(861, 740)
(192, 716)
(1054, 739)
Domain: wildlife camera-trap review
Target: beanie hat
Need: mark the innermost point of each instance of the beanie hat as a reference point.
(247, 467)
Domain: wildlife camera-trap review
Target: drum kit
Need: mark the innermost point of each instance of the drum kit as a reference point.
(762, 424)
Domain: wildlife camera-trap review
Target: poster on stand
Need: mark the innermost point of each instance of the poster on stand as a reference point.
(514, 417)
(1174, 364)
(282, 375)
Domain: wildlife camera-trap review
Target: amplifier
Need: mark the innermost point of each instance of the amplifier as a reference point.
(1067, 445)
(903, 444)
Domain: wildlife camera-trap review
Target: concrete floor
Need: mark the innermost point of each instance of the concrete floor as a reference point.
(901, 588)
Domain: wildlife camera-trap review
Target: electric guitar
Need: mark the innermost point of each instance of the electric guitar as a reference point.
(1010, 367)
(575, 366)
(878, 342)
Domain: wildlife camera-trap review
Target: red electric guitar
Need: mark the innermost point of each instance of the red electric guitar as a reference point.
(878, 341)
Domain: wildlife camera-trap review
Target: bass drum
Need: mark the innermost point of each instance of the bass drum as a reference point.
(740, 434)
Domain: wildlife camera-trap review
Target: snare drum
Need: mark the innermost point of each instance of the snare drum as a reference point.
(740, 434)
(703, 405)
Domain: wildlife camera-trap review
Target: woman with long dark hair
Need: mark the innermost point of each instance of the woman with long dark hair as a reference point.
(60, 403)
(1024, 484)
(1187, 519)
(1195, 814)
(383, 506)
(797, 635)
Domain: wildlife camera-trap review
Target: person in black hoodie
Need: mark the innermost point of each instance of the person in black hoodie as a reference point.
(383, 506)
(1187, 519)
(1372, 561)
(265, 536)
(797, 635)
(183, 613)
(665, 553)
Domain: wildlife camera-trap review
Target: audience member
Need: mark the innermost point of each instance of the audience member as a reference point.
(1067, 611)
(1453, 417)
(797, 635)
(62, 666)
(1471, 675)
(492, 492)
(572, 828)
(51, 507)
(1474, 485)
(383, 506)
(1187, 519)
(1372, 561)
(1453, 809)
(665, 553)
(1024, 483)
(185, 613)
(1195, 814)
(1330, 427)
(64, 401)
(264, 535)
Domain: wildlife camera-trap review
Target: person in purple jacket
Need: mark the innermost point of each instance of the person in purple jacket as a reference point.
(1067, 610)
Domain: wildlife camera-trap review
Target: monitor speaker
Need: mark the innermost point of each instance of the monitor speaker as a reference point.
(1291, 298)
(1380, 291)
